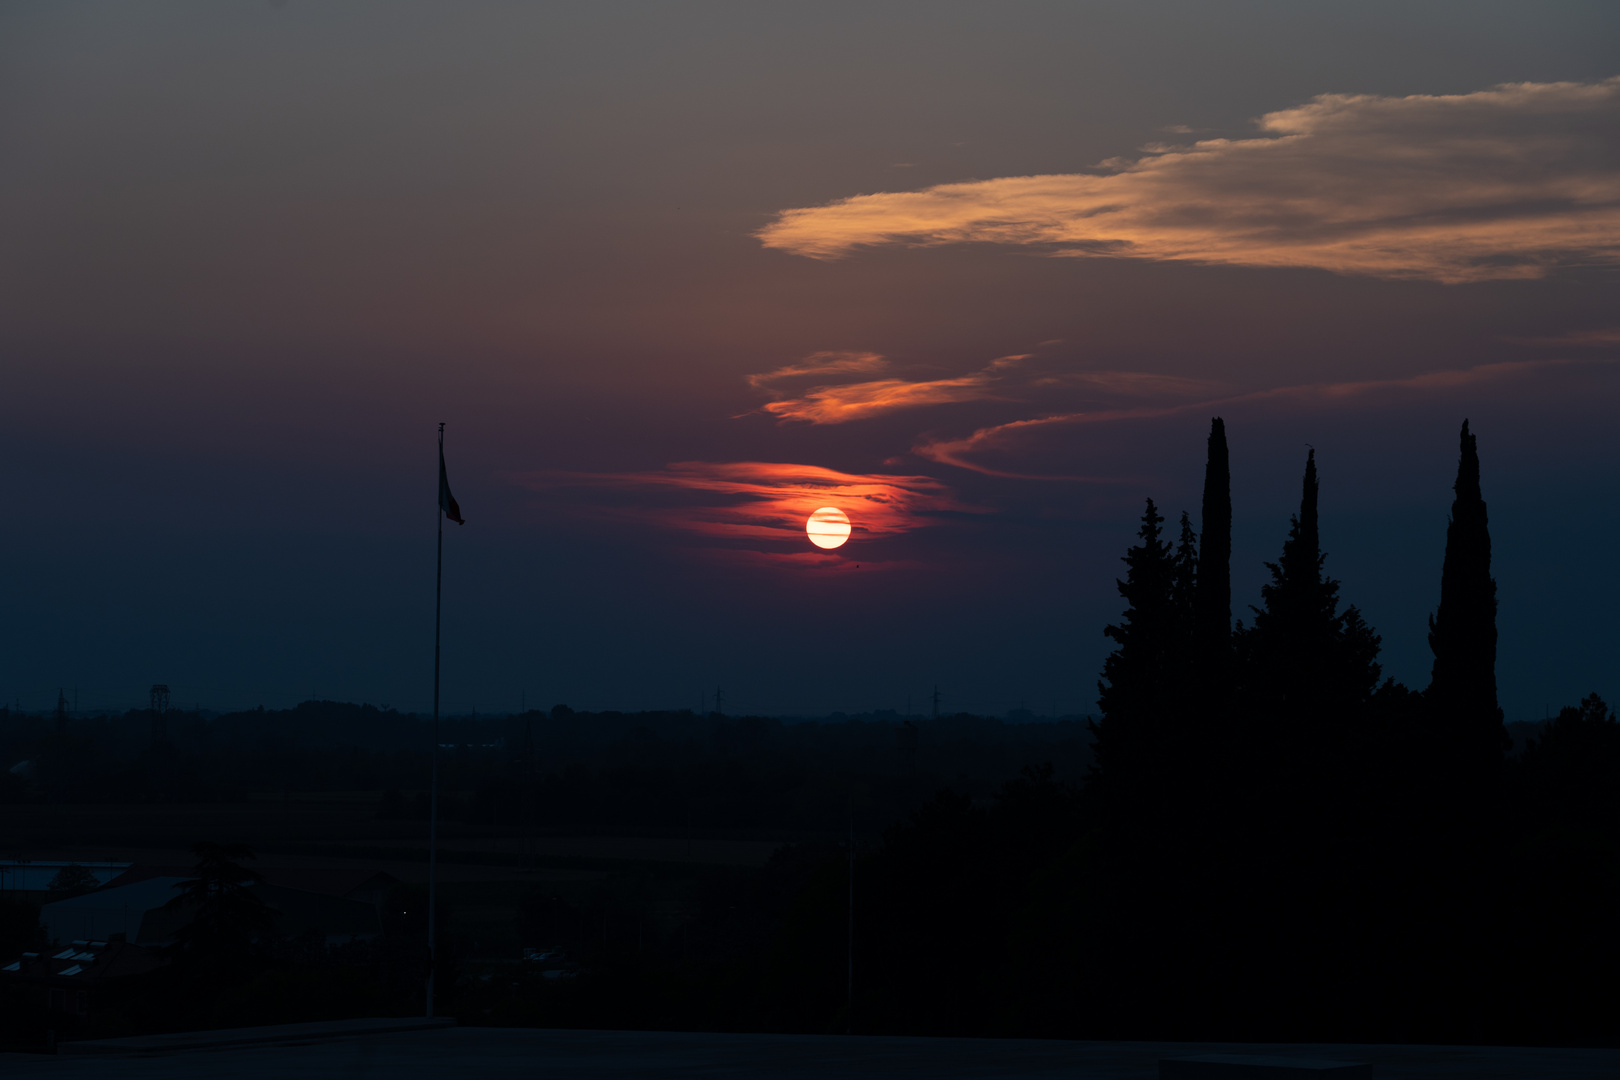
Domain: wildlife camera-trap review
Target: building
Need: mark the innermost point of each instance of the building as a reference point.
(67, 980)
(117, 911)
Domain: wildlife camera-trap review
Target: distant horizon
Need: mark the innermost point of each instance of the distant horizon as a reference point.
(209, 712)
(1010, 716)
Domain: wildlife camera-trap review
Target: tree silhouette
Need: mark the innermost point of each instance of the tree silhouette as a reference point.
(229, 919)
(1138, 676)
(1570, 770)
(73, 880)
(1150, 774)
(1462, 633)
(1303, 656)
(1184, 590)
(1212, 603)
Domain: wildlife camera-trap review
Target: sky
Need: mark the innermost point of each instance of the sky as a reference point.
(674, 276)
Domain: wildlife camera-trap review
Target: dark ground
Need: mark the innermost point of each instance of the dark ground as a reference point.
(600, 1055)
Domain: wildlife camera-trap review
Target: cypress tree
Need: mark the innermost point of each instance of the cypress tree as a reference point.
(1462, 633)
(1212, 601)
(1460, 820)
(1215, 552)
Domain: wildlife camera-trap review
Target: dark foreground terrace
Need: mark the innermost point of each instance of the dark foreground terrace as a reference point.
(319, 1051)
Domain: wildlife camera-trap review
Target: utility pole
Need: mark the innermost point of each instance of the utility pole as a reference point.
(849, 1009)
(526, 776)
(433, 799)
(448, 508)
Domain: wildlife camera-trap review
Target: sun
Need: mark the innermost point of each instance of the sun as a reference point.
(828, 527)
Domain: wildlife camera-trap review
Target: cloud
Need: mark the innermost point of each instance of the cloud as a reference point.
(1579, 338)
(755, 501)
(861, 401)
(819, 363)
(962, 452)
(1502, 183)
(1007, 378)
(958, 452)
(1129, 383)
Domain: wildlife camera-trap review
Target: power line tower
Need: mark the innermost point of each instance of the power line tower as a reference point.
(61, 717)
(936, 701)
(160, 721)
(718, 710)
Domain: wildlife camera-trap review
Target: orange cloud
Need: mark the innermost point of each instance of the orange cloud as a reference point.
(820, 363)
(1503, 183)
(771, 501)
(861, 401)
(961, 452)
(1003, 379)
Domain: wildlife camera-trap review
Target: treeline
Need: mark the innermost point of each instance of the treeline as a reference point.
(541, 770)
(1277, 843)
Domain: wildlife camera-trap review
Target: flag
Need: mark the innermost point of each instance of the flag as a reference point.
(447, 501)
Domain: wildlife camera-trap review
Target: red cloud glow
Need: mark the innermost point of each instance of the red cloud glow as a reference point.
(762, 500)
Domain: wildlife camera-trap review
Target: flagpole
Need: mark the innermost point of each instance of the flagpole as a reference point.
(433, 801)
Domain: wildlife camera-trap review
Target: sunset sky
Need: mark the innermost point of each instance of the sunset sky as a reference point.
(676, 275)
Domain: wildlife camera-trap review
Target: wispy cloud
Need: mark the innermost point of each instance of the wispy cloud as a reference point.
(771, 501)
(819, 364)
(1007, 378)
(964, 452)
(861, 401)
(1502, 183)
(1607, 338)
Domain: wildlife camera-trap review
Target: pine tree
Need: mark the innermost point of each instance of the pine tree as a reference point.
(1184, 587)
(1306, 675)
(1302, 654)
(1147, 767)
(1213, 601)
(1138, 675)
(1462, 633)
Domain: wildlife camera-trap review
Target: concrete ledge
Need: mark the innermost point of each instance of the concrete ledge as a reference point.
(1260, 1067)
(282, 1034)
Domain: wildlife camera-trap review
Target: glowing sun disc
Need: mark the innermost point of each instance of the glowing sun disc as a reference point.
(828, 527)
